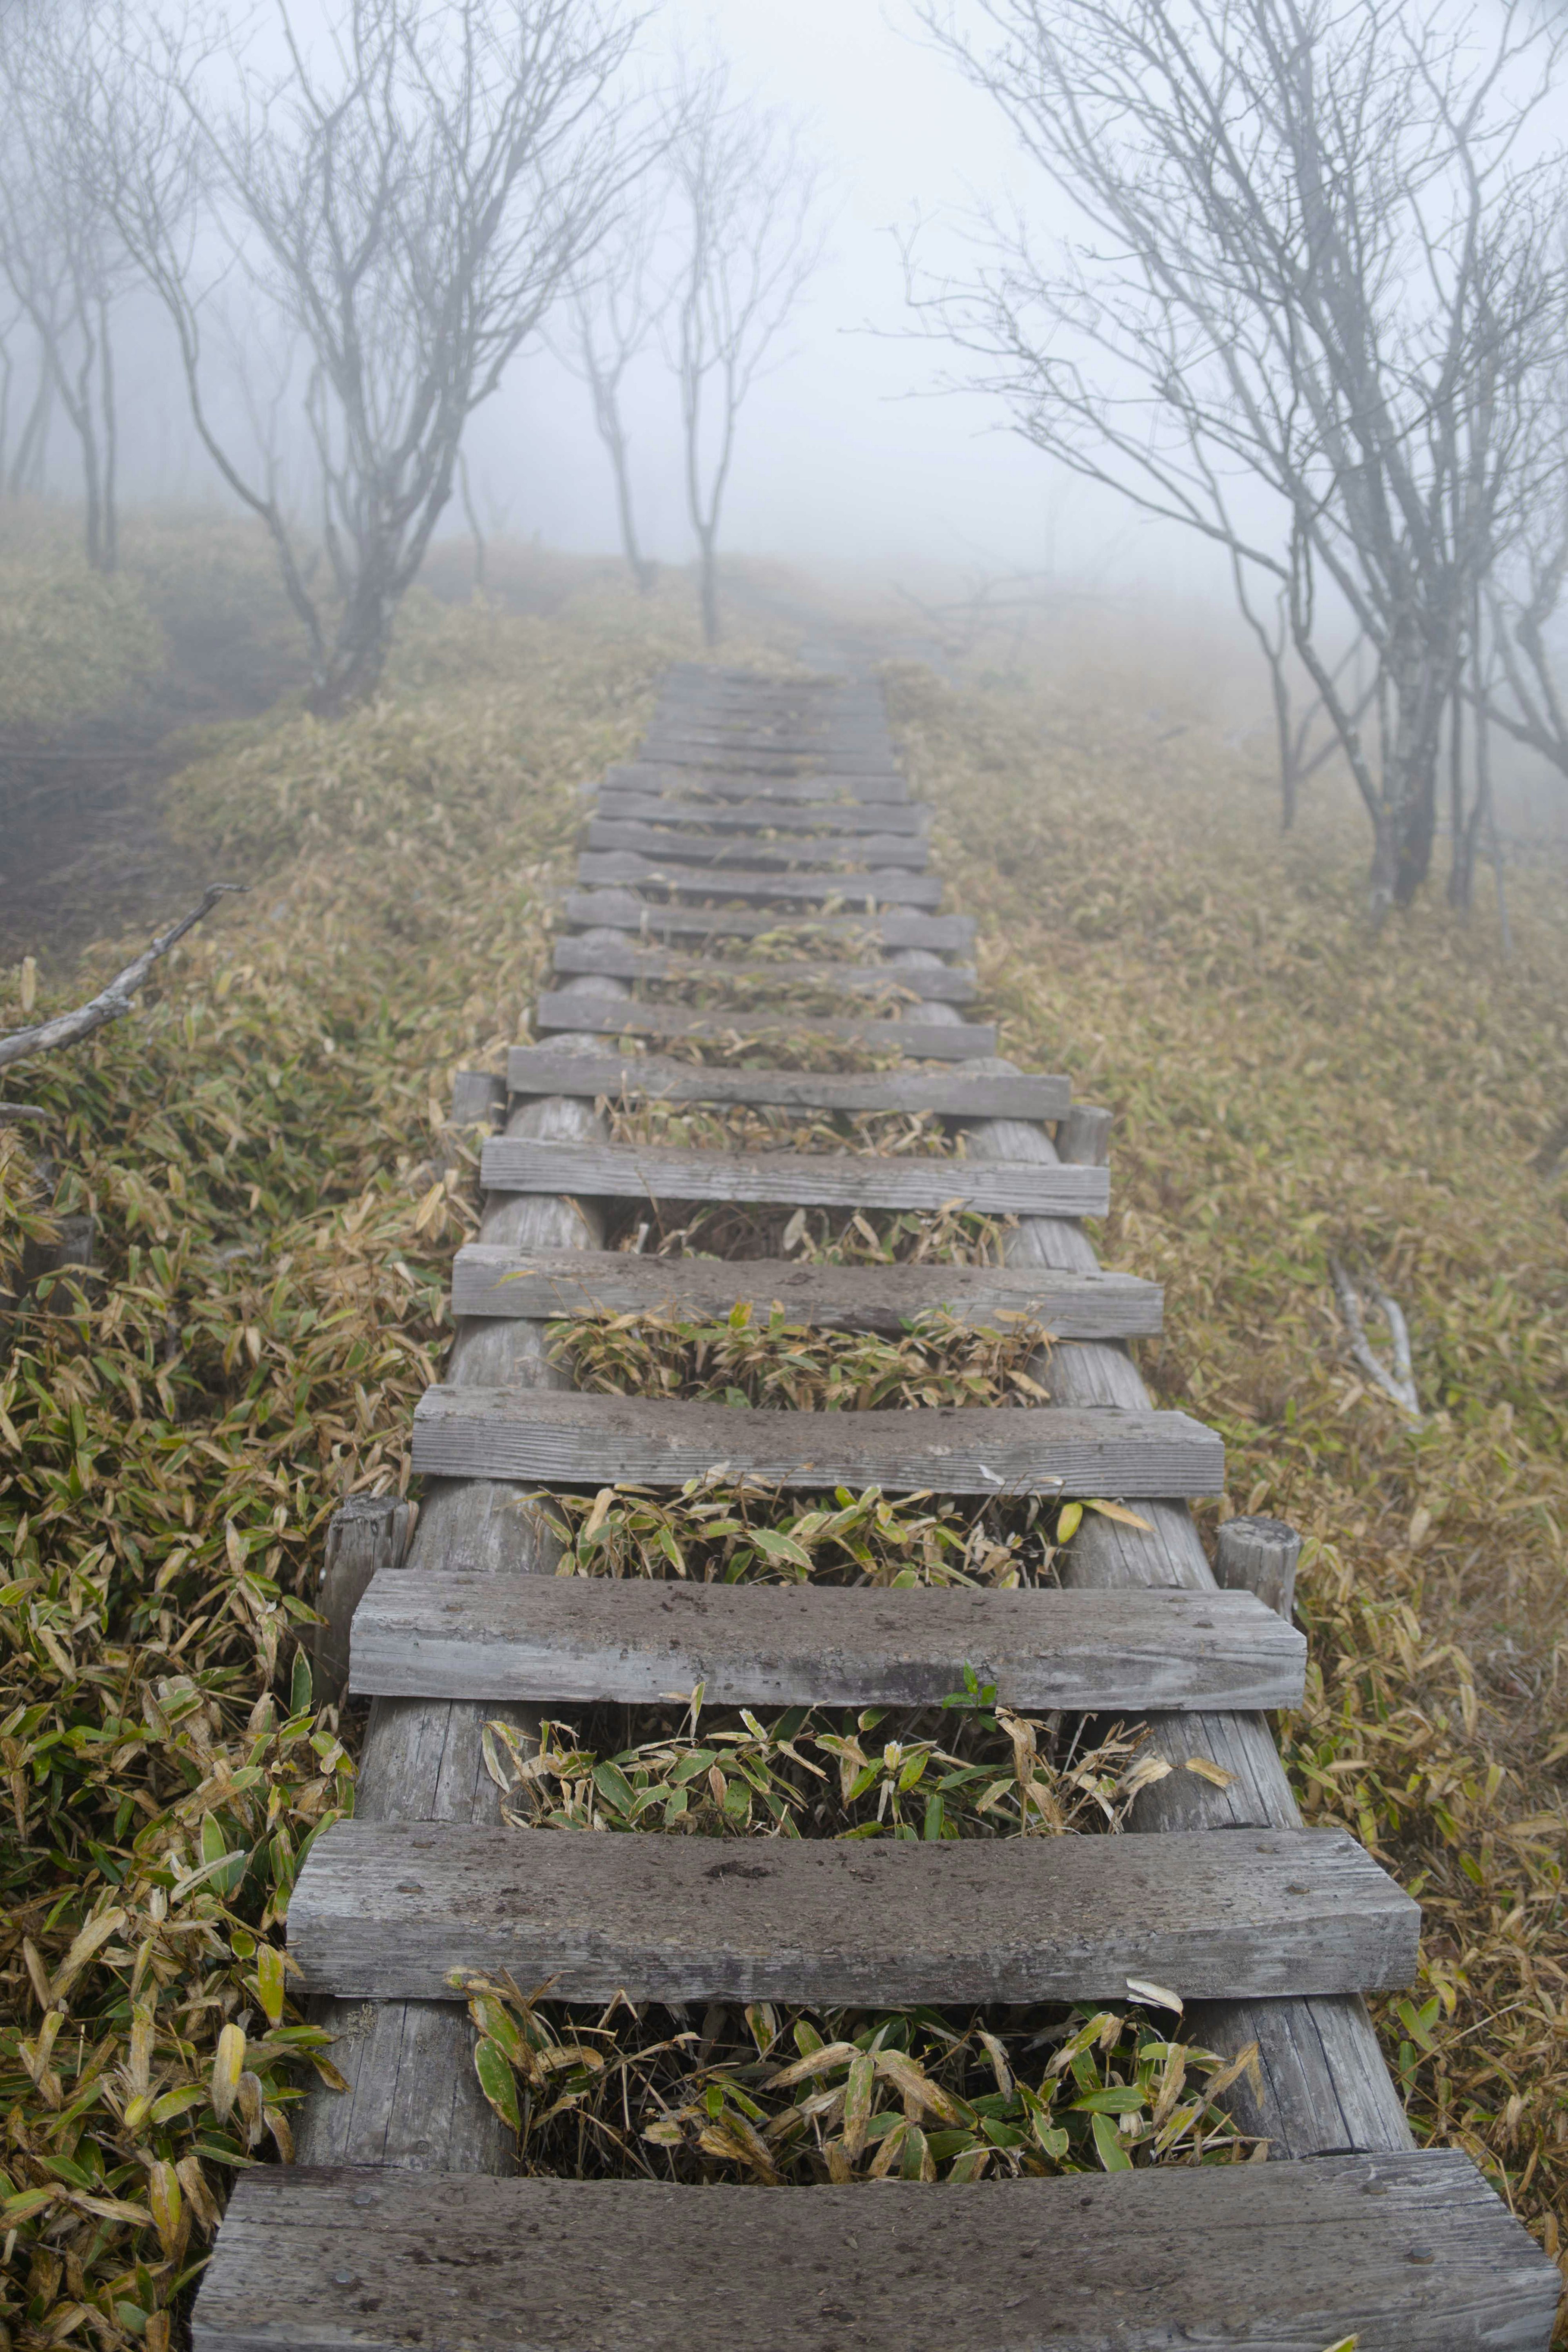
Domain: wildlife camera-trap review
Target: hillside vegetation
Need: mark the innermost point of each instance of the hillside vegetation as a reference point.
(275, 1226)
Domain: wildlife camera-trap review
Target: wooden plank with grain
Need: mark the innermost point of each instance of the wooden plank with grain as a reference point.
(1402, 2253)
(389, 1910)
(581, 1639)
(831, 852)
(913, 1037)
(949, 983)
(759, 814)
(539, 1437)
(844, 1180)
(650, 1077)
(835, 890)
(621, 911)
(488, 1280)
(821, 783)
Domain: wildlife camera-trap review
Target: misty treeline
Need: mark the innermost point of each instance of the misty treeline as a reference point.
(353, 219)
(1313, 304)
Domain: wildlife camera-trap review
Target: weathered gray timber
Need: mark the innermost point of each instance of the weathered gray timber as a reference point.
(598, 1441)
(648, 1077)
(1404, 2254)
(847, 1180)
(889, 791)
(762, 815)
(367, 1532)
(616, 1018)
(387, 1911)
(678, 748)
(488, 1280)
(581, 1639)
(619, 910)
(836, 854)
(1324, 2086)
(1085, 1135)
(1260, 1556)
(949, 983)
(870, 890)
(413, 2098)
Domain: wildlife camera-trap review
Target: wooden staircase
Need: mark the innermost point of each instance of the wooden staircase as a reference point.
(403, 2223)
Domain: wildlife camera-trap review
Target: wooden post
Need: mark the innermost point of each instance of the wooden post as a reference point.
(1261, 1555)
(478, 1098)
(370, 1531)
(1083, 1136)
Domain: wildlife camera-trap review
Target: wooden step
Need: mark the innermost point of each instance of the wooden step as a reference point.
(550, 1437)
(388, 1910)
(650, 1077)
(888, 791)
(617, 960)
(617, 1016)
(844, 1180)
(869, 891)
(579, 1639)
(490, 1279)
(621, 911)
(802, 849)
(759, 814)
(1400, 2253)
(682, 747)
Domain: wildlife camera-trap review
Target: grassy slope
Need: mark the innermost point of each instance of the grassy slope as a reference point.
(1287, 1090)
(257, 1146)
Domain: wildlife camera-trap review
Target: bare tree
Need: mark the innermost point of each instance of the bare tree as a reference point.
(1312, 272)
(411, 195)
(614, 313)
(749, 236)
(60, 250)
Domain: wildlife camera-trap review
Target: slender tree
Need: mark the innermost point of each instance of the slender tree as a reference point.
(1311, 272)
(410, 194)
(748, 233)
(612, 314)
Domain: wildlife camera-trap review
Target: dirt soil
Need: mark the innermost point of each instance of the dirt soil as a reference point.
(84, 853)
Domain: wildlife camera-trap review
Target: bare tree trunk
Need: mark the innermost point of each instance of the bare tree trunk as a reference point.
(708, 563)
(473, 520)
(27, 473)
(1461, 865)
(642, 570)
(110, 443)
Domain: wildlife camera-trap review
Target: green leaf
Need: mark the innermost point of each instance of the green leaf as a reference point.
(1120, 2099)
(299, 1684)
(496, 2081)
(1107, 2142)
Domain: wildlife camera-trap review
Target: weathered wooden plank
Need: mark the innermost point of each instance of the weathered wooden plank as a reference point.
(951, 984)
(881, 889)
(679, 748)
(616, 1018)
(889, 791)
(553, 1070)
(1401, 2253)
(534, 1436)
(759, 814)
(826, 850)
(621, 911)
(487, 1280)
(580, 1639)
(388, 1910)
(845, 1179)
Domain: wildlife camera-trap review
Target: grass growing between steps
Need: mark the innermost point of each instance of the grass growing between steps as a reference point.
(1287, 1089)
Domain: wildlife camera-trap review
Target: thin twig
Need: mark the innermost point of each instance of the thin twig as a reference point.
(111, 1004)
(18, 1114)
(1400, 1382)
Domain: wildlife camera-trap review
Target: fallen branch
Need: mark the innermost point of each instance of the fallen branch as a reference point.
(111, 1004)
(1399, 1384)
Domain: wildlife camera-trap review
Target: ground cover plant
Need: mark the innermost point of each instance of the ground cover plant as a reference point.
(276, 1210)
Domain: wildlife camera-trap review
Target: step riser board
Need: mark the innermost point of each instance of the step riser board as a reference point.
(553, 1070)
(575, 1440)
(826, 1179)
(617, 962)
(673, 750)
(759, 815)
(887, 791)
(492, 1280)
(1264, 2257)
(619, 910)
(836, 890)
(825, 850)
(615, 1016)
(575, 1639)
(386, 1911)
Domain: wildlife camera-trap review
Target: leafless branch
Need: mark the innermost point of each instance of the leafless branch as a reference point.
(110, 1003)
(1398, 1383)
